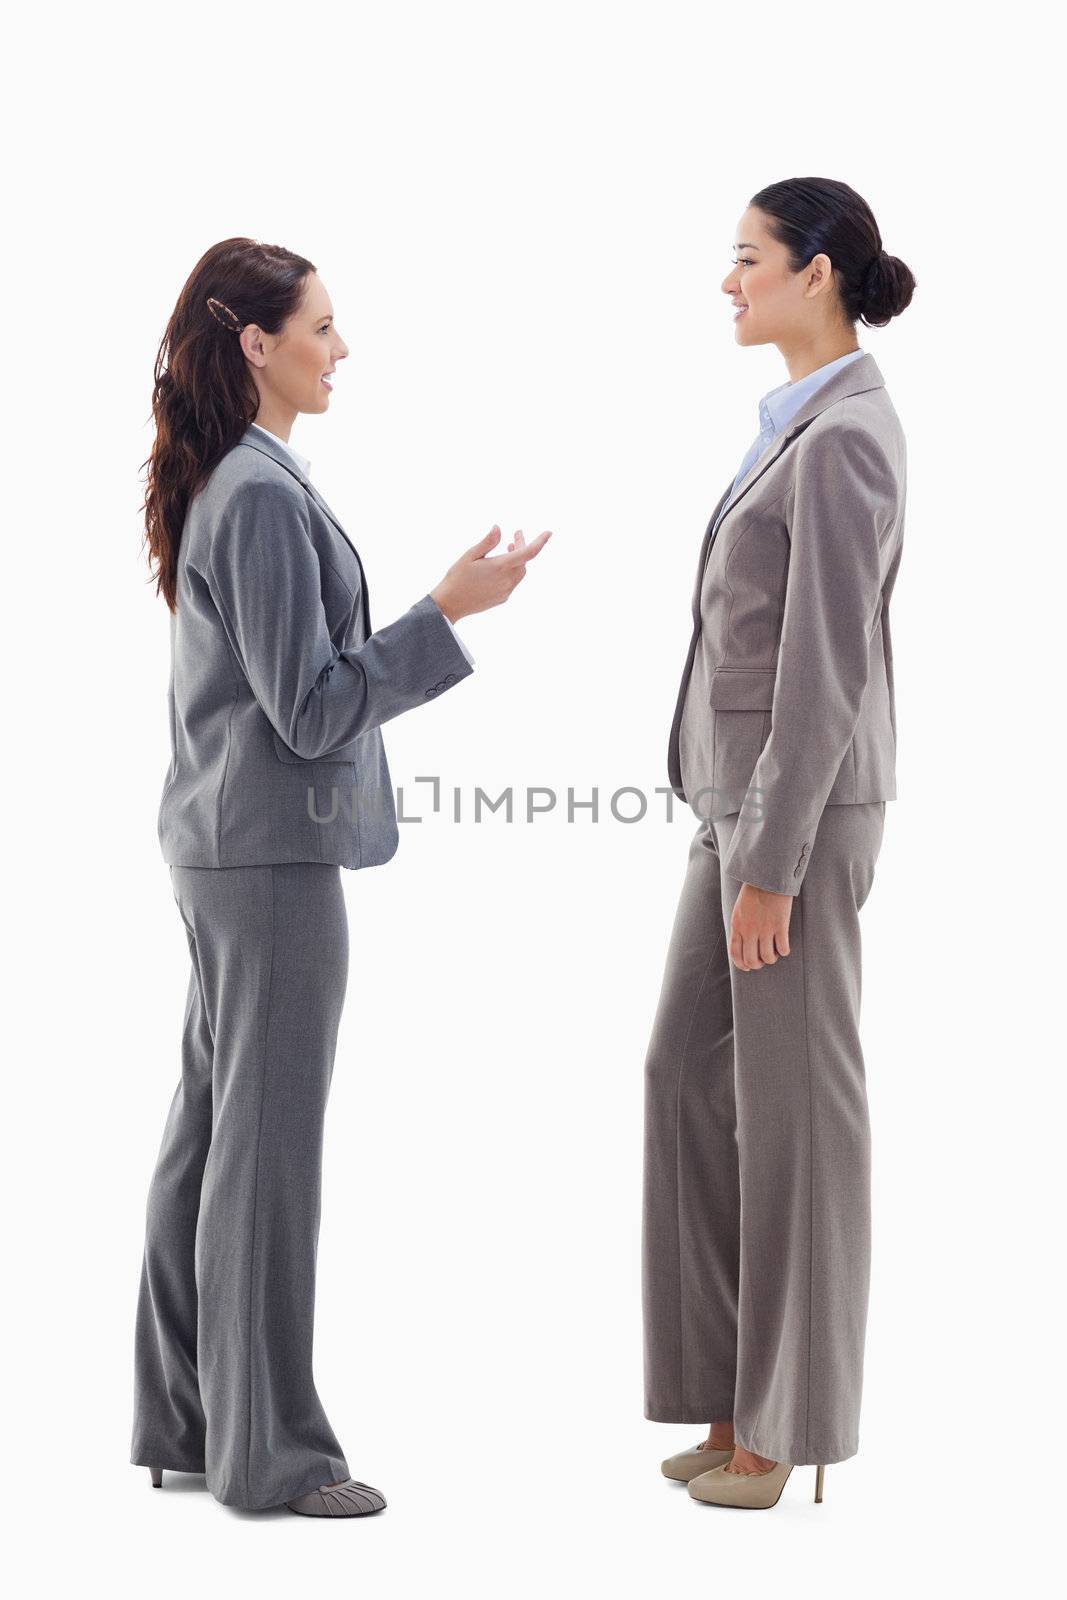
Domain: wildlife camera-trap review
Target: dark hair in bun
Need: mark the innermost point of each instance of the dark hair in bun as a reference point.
(820, 215)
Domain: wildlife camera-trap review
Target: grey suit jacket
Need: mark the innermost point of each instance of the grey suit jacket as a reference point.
(278, 686)
(786, 702)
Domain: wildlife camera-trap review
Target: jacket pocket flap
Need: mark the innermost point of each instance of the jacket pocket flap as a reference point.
(743, 688)
(343, 757)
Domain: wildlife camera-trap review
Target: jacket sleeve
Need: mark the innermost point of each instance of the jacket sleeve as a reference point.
(843, 507)
(264, 576)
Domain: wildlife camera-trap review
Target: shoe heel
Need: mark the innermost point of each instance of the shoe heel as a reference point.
(157, 1477)
(818, 1485)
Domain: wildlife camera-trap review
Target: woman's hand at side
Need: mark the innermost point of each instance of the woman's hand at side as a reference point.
(759, 927)
(478, 581)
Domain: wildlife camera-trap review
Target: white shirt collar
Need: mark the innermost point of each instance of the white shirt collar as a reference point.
(302, 461)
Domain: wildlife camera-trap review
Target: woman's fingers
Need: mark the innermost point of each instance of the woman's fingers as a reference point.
(483, 545)
(759, 929)
(525, 552)
(744, 951)
(477, 581)
(517, 545)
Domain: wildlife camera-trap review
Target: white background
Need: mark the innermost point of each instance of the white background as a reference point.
(524, 215)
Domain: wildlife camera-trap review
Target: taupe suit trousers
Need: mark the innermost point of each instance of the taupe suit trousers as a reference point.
(756, 1249)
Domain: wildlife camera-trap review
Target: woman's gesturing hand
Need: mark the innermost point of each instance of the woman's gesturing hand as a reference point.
(759, 927)
(477, 581)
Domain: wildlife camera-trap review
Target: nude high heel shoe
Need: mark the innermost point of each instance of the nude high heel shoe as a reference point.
(689, 1464)
(157, 1477)
(752, 1490)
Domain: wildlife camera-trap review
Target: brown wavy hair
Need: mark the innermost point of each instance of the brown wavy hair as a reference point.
(205, 396)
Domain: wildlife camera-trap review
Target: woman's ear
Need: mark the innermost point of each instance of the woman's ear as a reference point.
(820, 272)
(252, 343)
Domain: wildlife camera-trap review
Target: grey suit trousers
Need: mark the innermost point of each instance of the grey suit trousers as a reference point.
(225, 1312)
(756, 1227)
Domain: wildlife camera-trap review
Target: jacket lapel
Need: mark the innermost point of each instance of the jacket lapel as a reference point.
(855, 378)
(267, 446)
(704, 548)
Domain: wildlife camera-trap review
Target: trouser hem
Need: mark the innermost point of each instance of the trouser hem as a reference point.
(796, 1452)
(320, 1476)
(166, 1461)
(720, 1410)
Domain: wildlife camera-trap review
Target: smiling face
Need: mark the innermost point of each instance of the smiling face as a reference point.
(780, 307)
(293, 368)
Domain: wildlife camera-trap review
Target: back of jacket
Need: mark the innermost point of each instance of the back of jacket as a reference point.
(787, 700)
(278, 688)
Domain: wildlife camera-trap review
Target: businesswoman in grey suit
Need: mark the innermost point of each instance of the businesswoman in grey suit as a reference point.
(278, 778)
(756, 1247)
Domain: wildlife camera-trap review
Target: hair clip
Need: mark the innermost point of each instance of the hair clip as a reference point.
(234, 324)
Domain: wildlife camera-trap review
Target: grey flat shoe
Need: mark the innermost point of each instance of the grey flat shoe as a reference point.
(348, 1499)
(687, 1464)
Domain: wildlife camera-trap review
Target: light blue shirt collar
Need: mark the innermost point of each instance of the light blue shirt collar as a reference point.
(302, 461)
(780, 405)
(776, 410)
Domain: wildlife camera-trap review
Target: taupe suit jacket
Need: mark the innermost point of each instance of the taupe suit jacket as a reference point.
(278, 685)
(791, 634)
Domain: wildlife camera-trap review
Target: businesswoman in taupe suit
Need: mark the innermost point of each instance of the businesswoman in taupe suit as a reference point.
(278, 778)
(756, 1243)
